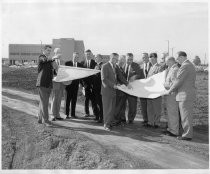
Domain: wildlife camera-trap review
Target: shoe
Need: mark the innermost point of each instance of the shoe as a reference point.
(155, 126)
(107, 128)
(145, 123)
(87, 115)
(148, 125)
(96, 119)
(67, 117)
(40, 121)
(54, 119)
(184, 138)
(73, 116)
(48, 124)
(100, 121)
(59, 118)
(170, 134)
(130, 122)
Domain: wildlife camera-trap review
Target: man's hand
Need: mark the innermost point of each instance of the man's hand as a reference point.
(115, 86)
(129, 86)
(132, 78)
(166, 85)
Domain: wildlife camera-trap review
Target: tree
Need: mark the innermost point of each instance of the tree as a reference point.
(197, 60)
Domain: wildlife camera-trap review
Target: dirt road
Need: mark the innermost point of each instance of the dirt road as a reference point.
(149, 146)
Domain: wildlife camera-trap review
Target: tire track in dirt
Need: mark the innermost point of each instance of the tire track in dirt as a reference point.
(135, 140)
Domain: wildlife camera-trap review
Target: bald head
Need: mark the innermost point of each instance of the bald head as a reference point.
(170, 61)
(122, 60)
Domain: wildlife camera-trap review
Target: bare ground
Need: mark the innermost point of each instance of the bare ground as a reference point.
(83, 144)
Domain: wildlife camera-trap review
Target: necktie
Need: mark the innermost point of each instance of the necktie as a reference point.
(126, 72)
(146, 72)
(88, 64)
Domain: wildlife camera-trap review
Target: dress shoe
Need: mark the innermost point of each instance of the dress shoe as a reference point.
(107, 128)
(184, 138)
(87, 115)
(130, 122)
(73, 116)
(54, 119)
(148, 125)
(67, 117)
(59, 118)
(100, 121)
(47, 124)
(169, 134)
(145, 122)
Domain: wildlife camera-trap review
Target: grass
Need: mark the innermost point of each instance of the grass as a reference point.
(25, 79)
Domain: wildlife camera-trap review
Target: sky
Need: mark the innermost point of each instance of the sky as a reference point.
(110, 27)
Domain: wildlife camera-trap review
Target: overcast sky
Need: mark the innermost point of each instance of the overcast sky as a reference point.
(109, 27)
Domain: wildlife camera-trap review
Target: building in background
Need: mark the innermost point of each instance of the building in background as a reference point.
(68, 46)
(20, 53)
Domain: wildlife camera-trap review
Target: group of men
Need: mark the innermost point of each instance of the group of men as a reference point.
(109, 103)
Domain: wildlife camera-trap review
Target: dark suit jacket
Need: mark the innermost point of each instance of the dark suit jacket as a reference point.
(74, 82)
(134, 71)
(97, 79)
(142, 67)
(45, 72)
(88, 81)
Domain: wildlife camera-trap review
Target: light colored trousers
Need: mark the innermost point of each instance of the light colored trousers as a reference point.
(172, 114)
(186, 109)
(57, 94)
(154, 111)
(44, 94)
(108, 109)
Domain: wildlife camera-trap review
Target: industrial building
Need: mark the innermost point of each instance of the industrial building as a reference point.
(20, 53)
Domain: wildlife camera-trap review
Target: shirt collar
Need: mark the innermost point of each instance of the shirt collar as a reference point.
(185, 61)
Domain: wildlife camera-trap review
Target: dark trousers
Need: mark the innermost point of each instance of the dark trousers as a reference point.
(120, 107)
(89, 96)
(143, 103)
(99, 105)
(132, 107)
(71, 97)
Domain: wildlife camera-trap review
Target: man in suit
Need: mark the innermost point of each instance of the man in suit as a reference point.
(108, 90)
(119, 115)
(44, 84)
(154, 105)
(72, 89)
(171, 104)
(163, 65)
(132, 72)
(87, 84)
(186, 93)
(58, 87)
(143, 101)
(97, 88)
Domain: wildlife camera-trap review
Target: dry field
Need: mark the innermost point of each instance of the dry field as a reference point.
(81, 144)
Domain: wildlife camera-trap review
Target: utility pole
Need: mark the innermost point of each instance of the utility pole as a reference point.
(205, 59)
(41, 46)
(172, 51)
(168, 46)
